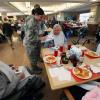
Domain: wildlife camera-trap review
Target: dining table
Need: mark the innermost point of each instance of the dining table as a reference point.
(62, 82)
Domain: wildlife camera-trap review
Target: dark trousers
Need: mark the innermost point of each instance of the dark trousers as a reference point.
(77, 92)
(33, 52)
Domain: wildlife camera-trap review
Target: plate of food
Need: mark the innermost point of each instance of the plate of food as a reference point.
(82, 73)
(92, 54)
(49, 59)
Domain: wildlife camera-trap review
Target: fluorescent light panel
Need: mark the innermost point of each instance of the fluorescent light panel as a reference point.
(14, 13)
(23, 6)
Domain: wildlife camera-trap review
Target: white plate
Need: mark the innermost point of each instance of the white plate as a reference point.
(95, 55)
(46, 59)
(81, 77)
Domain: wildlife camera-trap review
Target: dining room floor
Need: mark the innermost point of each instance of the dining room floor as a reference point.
(17, 56)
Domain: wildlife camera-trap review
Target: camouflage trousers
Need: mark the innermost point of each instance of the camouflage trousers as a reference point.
(33, 52)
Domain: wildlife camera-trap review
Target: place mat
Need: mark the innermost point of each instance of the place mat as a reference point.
(79, 79)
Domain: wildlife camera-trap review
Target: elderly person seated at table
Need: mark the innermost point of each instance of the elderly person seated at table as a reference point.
(57, 35)
(16, 87)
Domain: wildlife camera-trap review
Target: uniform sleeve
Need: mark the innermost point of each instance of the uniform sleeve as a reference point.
(42, 27)
(3, 85)
(29, 23)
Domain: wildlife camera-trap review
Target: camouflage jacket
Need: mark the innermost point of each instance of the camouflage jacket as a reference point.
(31, 28)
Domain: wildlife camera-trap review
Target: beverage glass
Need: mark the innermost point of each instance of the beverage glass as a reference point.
(55, 53)
(74, 63)
(61, 48)
(69, 46)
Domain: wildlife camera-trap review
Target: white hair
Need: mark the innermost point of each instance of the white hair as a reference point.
(57, 26)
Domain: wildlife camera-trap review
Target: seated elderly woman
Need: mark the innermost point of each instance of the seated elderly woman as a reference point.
(57, 35)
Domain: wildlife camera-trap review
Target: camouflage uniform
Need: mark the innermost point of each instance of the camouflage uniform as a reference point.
(31, 40)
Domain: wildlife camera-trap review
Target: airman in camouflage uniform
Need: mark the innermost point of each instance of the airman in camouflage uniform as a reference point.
(31, 40)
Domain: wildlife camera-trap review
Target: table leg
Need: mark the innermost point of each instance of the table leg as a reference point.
(68, 94)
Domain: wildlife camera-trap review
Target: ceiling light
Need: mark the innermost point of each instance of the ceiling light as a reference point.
(14, 13)
(94, 0)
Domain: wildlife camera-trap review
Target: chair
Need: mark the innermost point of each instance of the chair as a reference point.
(81, 34)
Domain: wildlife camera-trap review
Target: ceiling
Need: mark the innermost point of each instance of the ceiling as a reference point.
(19, 7)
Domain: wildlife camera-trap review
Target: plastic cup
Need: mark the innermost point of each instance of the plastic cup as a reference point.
(55, 53)
(69, 46)
(61, 48)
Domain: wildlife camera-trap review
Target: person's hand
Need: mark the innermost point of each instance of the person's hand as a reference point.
(43, 38)
(21, 75)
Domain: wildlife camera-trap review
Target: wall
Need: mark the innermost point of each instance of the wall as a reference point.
(97, 18)
(60, 16)
(94, 14)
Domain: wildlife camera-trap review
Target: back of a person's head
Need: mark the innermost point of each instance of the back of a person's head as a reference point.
(36, 6)
(38, 11)
(5, 19)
